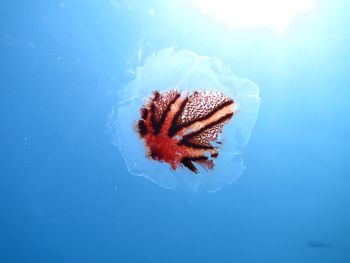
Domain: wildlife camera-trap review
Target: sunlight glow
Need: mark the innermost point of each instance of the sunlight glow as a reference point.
(275, 14)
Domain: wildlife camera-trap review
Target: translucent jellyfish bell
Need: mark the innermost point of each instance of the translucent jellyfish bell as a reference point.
(187, 74)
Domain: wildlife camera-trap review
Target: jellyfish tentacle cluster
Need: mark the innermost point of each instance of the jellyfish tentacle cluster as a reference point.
(180, 128)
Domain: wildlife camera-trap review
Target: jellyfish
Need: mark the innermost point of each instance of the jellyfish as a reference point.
(184, 121)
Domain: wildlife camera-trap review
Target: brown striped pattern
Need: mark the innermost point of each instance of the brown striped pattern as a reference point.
(179, 129)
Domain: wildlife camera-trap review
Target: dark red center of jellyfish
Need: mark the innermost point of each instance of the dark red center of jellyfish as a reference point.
(183, 129)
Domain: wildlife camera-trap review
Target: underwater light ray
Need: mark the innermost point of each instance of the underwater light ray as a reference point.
(274, 14)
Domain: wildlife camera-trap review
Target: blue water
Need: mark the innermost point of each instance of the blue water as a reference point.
(65, 193)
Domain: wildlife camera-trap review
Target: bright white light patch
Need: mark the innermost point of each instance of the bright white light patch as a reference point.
(275, 14)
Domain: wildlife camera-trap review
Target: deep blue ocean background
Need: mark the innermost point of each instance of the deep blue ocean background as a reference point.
(65, 192)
